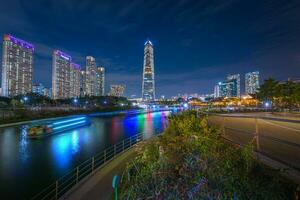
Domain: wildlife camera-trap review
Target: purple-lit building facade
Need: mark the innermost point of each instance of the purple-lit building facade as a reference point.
(61, 83)
(17, 60)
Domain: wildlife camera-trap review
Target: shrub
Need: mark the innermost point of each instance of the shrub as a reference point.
(191, 161)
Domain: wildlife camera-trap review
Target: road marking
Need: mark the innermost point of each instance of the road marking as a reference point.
(293, 129)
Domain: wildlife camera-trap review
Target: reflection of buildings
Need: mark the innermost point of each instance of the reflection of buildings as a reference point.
(17, 59)
(251, 82)
(61, 75)
(148, 88)
(117, 90)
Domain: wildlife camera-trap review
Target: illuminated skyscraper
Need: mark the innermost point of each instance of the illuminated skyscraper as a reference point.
(61, 87)
(235, 81)
(100, 80)
(90, 76)
(251, 82)
(75, 77)
(17, 59)
(148, 88)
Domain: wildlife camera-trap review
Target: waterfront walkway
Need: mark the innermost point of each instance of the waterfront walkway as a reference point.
(99, 185)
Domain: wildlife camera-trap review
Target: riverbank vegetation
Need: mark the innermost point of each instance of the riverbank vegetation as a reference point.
(192, 161)
(34, 106)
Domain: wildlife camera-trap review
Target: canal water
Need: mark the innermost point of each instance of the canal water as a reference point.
(27, 166)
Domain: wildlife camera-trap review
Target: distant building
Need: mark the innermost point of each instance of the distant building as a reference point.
(251, 82)
(61, 75)
(100, 81)
(75, 76)
(235, 90)
(217, 90)
(38, 89)
(47, 92)
(148, 87)
(50, 93)
(90, 76)
(117, 90)
(227, 89)
(17, 59)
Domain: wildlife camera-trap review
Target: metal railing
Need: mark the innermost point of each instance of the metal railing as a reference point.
(62, 185)
(271, 139)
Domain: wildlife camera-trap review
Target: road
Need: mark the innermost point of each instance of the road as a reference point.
(278, 136)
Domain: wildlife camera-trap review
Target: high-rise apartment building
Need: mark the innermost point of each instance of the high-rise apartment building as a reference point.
(236, 85)
(148, 87)
(75, 76)
(90, 76)
(82, 83)
(251, 82)
(17, 59)
(100, 80)
(117, 90)
(61, 63)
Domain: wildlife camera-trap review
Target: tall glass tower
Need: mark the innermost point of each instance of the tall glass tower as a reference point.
(148, 88)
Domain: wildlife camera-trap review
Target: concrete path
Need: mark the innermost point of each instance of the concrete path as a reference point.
(99, 185)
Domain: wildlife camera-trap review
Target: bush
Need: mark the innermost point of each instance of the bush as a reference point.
(191, 161)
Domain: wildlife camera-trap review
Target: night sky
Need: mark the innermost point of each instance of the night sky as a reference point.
(196, 43)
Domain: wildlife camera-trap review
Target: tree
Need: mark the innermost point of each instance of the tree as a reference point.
(288, 94)
(268, 90)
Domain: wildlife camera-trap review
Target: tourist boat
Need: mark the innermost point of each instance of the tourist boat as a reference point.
(40, 130)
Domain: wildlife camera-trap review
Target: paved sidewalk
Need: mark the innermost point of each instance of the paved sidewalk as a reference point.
(99, 185)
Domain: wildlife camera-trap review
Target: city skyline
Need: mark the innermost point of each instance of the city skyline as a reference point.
(200, 51)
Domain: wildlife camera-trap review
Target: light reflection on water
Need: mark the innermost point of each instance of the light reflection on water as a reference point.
(25, 161)
(64, 146)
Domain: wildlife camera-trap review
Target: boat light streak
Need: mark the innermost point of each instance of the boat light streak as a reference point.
(70, 120)
(67, 125)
